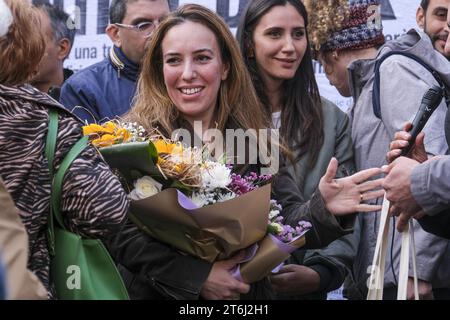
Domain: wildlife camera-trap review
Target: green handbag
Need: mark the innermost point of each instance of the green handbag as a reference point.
(81, 269)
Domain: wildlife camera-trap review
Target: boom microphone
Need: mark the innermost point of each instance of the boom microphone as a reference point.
(430, 102)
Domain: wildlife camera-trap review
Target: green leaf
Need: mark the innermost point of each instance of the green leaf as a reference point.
(128, 158)
(183, 188)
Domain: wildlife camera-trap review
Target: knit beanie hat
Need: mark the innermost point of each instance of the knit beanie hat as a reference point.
(344, 24)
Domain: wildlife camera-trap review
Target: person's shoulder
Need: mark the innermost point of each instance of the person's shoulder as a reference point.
(25, 94)
(329, 108)
(409, 53)
(333, 117)
(27, 100)
(85, 77)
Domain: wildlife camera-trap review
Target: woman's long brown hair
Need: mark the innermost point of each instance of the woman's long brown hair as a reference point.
(237, 100)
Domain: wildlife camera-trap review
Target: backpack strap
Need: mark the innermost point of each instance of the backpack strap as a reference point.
(57, 179)
(376, 84)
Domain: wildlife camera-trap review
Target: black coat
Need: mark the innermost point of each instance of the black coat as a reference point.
(438, 225)
(153, 270)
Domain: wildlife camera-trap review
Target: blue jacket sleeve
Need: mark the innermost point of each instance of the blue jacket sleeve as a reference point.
(76, 99)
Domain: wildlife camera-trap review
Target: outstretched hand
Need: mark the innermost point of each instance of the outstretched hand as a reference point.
(346, 195)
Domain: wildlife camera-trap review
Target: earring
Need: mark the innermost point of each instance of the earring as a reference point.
(334, 55)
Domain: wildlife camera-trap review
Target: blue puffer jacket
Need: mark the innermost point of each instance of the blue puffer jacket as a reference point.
(101, 92)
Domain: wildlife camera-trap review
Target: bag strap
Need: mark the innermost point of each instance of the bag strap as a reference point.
(52, 134)
(50, 147)
(407, 242)
(376, 104)
(57, 179)
(376, 280)
(413, 244)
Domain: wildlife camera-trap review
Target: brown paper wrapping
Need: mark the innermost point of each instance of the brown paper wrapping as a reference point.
(214, 232)
(268, 257)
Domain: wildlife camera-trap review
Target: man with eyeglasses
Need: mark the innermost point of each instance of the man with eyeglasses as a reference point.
(106, 89)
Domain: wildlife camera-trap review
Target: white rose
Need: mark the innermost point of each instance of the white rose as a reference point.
(215, 175)
(145, 187)
(6, 18)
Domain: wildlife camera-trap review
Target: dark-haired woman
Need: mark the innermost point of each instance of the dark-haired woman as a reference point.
(274, 42)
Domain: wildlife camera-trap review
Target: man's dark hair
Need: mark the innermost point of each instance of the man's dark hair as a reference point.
(118, 10)
(424, 4)
(63, 25)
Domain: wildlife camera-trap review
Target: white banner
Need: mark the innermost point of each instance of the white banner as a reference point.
(92, 44)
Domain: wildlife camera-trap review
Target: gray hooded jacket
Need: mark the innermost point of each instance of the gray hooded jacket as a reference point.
(403, 84)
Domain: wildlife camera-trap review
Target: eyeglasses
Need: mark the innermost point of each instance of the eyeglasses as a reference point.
(143, 28)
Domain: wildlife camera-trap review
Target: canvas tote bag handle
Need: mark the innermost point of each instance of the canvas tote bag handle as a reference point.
(376, 279)
(407, 245)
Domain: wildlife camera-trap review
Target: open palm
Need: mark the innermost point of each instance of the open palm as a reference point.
(346, 195)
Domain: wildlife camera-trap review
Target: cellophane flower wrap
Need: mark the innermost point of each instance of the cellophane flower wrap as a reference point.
(181, 197)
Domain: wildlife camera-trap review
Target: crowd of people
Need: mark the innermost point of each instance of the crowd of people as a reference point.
(169, 70)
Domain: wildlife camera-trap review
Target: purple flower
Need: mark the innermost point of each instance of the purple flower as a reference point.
(288, 232)
(242, 185)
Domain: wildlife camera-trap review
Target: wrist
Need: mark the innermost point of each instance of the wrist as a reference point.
(321, 276)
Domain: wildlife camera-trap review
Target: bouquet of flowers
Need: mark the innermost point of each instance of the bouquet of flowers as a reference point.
(197, 205)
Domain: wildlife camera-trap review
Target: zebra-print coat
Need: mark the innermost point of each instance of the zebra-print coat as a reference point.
(93, 201)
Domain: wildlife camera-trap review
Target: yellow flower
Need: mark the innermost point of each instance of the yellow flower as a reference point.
(105, 141)
(92, 129)
(107, 134)
(108, 127)
(163, 147)
(123, 134)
